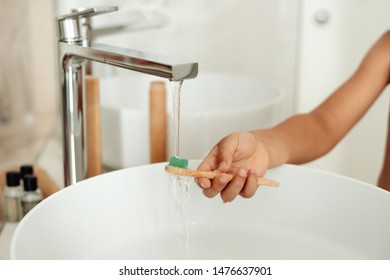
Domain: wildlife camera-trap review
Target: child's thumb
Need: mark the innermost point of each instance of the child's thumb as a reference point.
(225, 155)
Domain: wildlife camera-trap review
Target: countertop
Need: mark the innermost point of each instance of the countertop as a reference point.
(50, 159)
(5, 239)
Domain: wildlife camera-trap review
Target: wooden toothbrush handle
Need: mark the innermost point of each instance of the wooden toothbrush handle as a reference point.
(212, 175)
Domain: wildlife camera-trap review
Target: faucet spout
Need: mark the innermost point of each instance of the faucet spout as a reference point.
(74, 52)
(157, 65)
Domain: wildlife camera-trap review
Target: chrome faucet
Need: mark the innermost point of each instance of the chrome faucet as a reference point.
(74, 51)
(91, 32)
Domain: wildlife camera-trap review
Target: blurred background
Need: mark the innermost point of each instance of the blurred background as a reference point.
(307, 47)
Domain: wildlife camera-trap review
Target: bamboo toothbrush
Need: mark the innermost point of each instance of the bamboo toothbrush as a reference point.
(178, 166)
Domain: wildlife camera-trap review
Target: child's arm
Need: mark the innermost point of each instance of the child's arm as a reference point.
(310, 136)
(301, 138)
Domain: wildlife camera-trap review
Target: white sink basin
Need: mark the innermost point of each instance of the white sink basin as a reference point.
(129, 214)
(212, 106)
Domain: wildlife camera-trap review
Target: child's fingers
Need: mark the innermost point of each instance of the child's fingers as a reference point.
(250, 186)
(217, 185)
(208, 164)
(235, 186)
(203, 182)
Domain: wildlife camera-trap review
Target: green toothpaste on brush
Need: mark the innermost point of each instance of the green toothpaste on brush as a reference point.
(178, 162)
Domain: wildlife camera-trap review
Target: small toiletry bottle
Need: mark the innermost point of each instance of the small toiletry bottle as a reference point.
(26, 170)
(31, 196)
(13, 197)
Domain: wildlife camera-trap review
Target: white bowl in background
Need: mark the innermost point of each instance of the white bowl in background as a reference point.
(212, 106)
(130, 214)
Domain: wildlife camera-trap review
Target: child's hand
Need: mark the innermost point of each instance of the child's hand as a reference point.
(241, 154)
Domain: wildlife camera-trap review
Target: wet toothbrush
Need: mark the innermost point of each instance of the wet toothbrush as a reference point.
(179, 167)
(180, 163)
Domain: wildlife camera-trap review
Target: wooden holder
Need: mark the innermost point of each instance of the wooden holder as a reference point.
(93, 126)
(158, 122)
